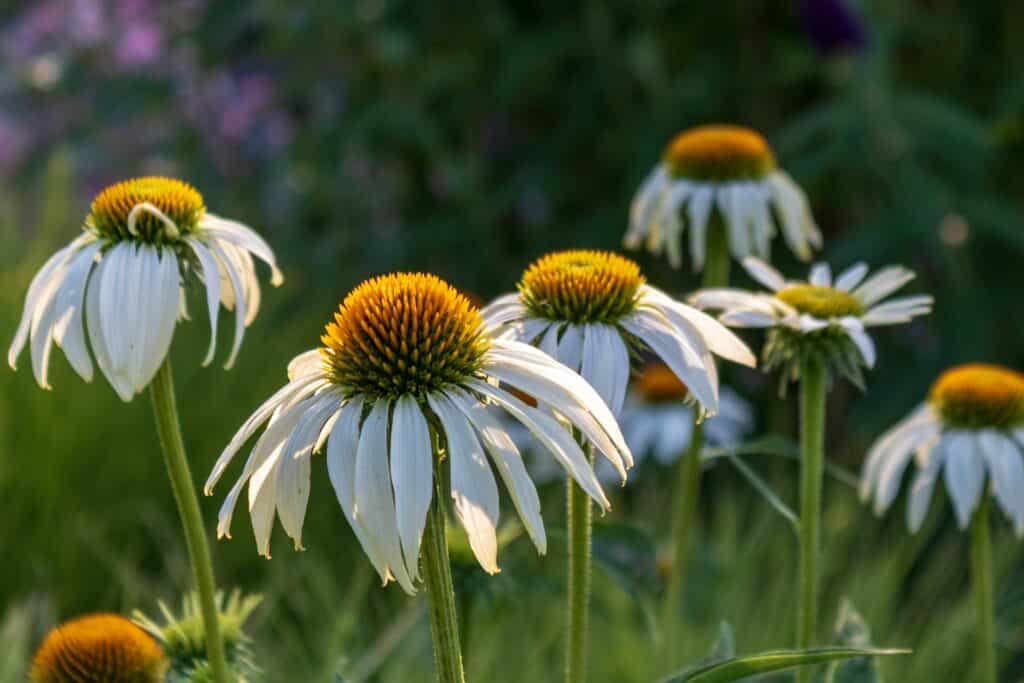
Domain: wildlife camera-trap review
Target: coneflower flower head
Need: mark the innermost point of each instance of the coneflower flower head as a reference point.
(122, 283)
(822, 320)
(720, 173)
(588, 309)
(969, 430)
(408, 370)
(98, 648)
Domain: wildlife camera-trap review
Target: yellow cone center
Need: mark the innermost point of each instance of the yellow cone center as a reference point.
(719, 153)
(111, 214)
(658, 384)
(404, 334)
(99, 647)
(581, 286)
(821, 302)
(977, 396)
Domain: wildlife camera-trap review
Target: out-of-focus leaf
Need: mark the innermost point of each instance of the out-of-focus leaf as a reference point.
(780, 446)
(738, 668)
(762, 487)
(853, 631)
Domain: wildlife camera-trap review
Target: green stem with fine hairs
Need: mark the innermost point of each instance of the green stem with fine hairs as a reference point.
(813, 382)
(984, 592)
(168, 427)
(687, 491)
(578, 507)
(437, 577)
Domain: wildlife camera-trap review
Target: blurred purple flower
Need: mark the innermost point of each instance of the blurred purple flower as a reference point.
(140, 45)
(833, 26)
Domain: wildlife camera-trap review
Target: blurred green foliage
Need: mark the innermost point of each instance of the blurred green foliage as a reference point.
(466, 140)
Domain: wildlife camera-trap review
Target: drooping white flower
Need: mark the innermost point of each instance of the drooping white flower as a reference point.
(725, 175)
(406, 364)
(820, 316)
(969, 433)
(588, 308)
(121, 283)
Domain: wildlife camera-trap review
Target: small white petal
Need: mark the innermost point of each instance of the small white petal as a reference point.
(698, 211)
(860, 338)
(821, 275)
(921, 493)
(882, 284)
(1006, 470)
(239, 300)
(211, 280)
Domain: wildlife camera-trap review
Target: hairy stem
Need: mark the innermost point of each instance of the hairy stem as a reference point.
(168, 427)
(579, 532)
(437, 576)
(984, 592)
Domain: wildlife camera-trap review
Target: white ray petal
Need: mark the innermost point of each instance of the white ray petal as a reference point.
(851, 277)
(69, 329)
(1006, 471)
(606, 364)
(861, 339)
(964, 473)
(509, 464)
(412, 475)
(698, 210)
(764, 273)
(239, 300)
(375, 500)
(552, 436)
(245, 237)
(882, 284)
(474, 491)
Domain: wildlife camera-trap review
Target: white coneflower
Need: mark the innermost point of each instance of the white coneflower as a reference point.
(408, 359)
(726, 174)
(657, 422)
(816, 329)
(970, 432)
(121, 283)
(408, 374)
(821, 318)
(588, 308)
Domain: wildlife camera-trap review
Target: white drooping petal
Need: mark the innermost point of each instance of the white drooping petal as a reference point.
(41, 282)
(606, 364)
(555, 438)
(536, 374)
(306, 363)
(375, 500)
(861, 339)
(904, 437)
(474, 491)
(1006, 470)
(643, 205)
(964, 473)
(69, 328)
(570, 347)
(412, 474)
(503, 310)
(245, 237)
(720, 339)
(97, 340)
(882, 284)
(687, 362)
(921, 493)
(211, 282)
(235, 281)
(674, 226)
(342, 446)
(797, 223)
(764, 273)
(509, 464)
(698, 211)
(160, 316)
(293, 471)
(729, 200)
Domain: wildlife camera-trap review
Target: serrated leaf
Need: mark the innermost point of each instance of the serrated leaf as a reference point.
(738, 668)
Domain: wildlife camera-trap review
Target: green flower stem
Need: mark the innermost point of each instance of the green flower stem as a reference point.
(437, 576)
(579, 533)
(687, 494)
(812, 455)
(984, 593)
(168, 427)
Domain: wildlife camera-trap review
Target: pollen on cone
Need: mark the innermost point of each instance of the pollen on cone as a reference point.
(99, 648)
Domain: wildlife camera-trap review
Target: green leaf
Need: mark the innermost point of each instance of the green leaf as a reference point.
(853, 631)
(738, 668)
(778, 446)
(762, 487)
